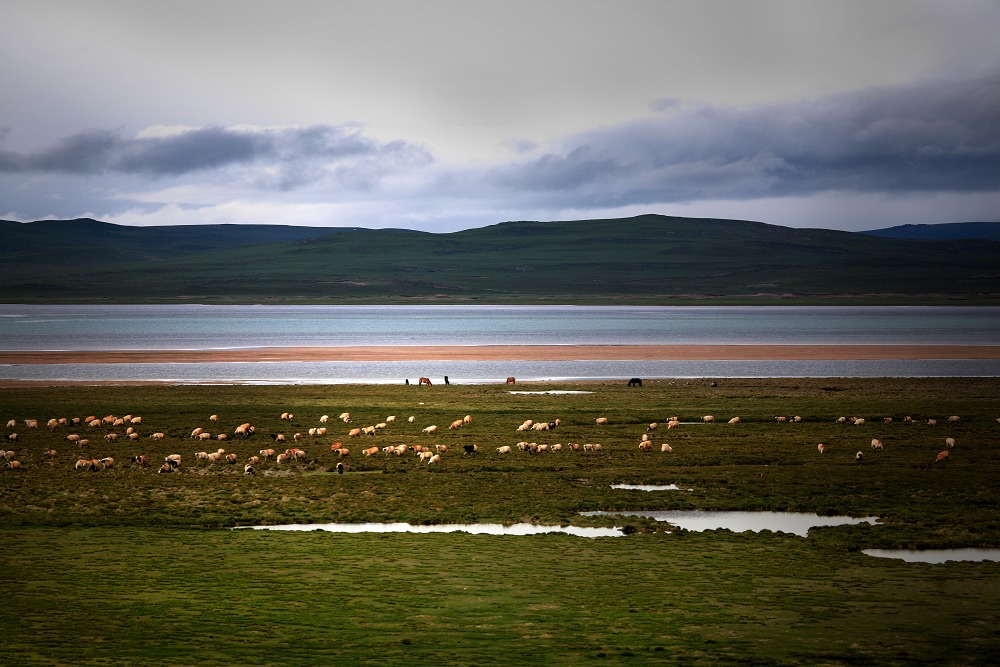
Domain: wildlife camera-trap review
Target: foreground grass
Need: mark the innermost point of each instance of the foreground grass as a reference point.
(128, 566)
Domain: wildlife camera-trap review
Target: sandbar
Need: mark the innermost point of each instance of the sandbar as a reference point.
(511, 353)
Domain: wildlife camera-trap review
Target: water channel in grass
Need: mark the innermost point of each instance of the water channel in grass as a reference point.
(798, 523)
(936, 555)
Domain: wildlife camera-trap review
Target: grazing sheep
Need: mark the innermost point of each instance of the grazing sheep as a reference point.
(391, 419)
(467, 419)
(949, 442)
(411, 418)
(734, 420)
(266, 453)
(932, 422)
(645, 446)
(652, 427)
(248, 469)
(821, 448)
(434, 459)
(708, 419)
(954, 419)
(254, 460)
(666, 448)
(157, 436)
(942, 456)
(12, 465)
(213, 418)
(503, 450)
(430, 429)
(354, 433)
(859, 456)
(141, 460)
(876, 443)
(166, 467)
(455, 424)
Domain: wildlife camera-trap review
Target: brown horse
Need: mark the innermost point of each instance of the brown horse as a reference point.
(511, 380)
(426, 381)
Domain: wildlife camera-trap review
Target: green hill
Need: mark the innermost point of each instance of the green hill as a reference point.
(646, 259)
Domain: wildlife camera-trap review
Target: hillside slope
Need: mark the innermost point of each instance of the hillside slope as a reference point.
(646, 259)
(989, 231)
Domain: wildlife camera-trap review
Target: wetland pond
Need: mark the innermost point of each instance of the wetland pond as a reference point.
(788, 522)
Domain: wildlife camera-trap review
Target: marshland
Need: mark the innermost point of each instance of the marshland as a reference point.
(128, 565)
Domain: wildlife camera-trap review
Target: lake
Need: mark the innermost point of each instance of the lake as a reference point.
(201, 327)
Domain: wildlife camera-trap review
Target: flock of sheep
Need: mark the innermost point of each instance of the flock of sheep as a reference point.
(431, 454)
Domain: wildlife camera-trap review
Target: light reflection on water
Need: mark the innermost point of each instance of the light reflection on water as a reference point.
(936, 555)
(473, 528)
(485, 372)
(786, 522)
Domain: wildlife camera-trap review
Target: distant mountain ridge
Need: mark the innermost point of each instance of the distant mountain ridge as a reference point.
(989, 231)
(646, 259)
(111, 243)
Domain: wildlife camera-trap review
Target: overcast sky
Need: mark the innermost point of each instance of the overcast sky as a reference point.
(445, 115)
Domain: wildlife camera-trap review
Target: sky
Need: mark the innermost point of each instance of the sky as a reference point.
(442, 115)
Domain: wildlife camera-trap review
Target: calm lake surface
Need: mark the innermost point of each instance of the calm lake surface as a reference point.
(200, 327)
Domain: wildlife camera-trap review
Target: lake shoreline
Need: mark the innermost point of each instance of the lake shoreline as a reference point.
(509, 353)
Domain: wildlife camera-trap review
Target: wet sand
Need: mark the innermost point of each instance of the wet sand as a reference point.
(514, 353)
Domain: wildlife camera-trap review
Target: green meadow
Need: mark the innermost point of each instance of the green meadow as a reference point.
(128, 566)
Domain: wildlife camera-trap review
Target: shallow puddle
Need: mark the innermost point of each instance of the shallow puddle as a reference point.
(936, 555)
(649, 487)
(786, 522)
(473, 528)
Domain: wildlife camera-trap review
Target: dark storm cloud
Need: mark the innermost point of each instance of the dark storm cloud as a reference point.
(923, 138)
(298, 153)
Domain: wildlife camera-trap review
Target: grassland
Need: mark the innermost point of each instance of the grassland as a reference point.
(127, 566)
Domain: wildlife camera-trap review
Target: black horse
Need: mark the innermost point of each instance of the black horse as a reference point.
(635, 382)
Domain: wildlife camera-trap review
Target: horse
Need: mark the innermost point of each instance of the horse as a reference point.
(426, 381)
(511, 380)
(635, 382)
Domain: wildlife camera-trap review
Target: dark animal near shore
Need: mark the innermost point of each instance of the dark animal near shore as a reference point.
(635, 382)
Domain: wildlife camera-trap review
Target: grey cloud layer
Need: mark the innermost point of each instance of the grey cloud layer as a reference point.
(929, 138)
(98, 152)
(940, 137)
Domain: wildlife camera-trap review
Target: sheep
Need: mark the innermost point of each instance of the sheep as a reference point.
(440, 449)
(141, 460)
(467, 419)
(781, 420)
(503, 450)
(354, 433)
(72, 437)
(283, 458)
(12, 465)
(107, 463)
(266, 453)
(94, 423)
(601, 421)
(231, 458)
(430, 429)
(135, 420)
(556, 447)
(821, 448)
(31, 423)
(860, 421)
(708, 419)
(324, 419)
(111, 437)
(434, 459)
(859, 456)
(932, 422)
(391, 419)
(652, 427)
(423, 456)
(201, 456)
(455, 424)
(540, 426)
(287, 416)
(50, 453)
(666, 448)
(734, 420)
(157, 436)
(645, 446)
(165, 468)
(248, 469)
(371, 451)
(949, 442)
(254, 460)
(213, 418)
(345, 417)
(887, 420)
(12, 423)
(954, 419)
(222, 436)
(876, 443)
(411, 419)
(841, 420)
(942, 456)
(9, 454)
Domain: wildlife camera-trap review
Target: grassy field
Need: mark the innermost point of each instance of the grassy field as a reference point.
(127, 566)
